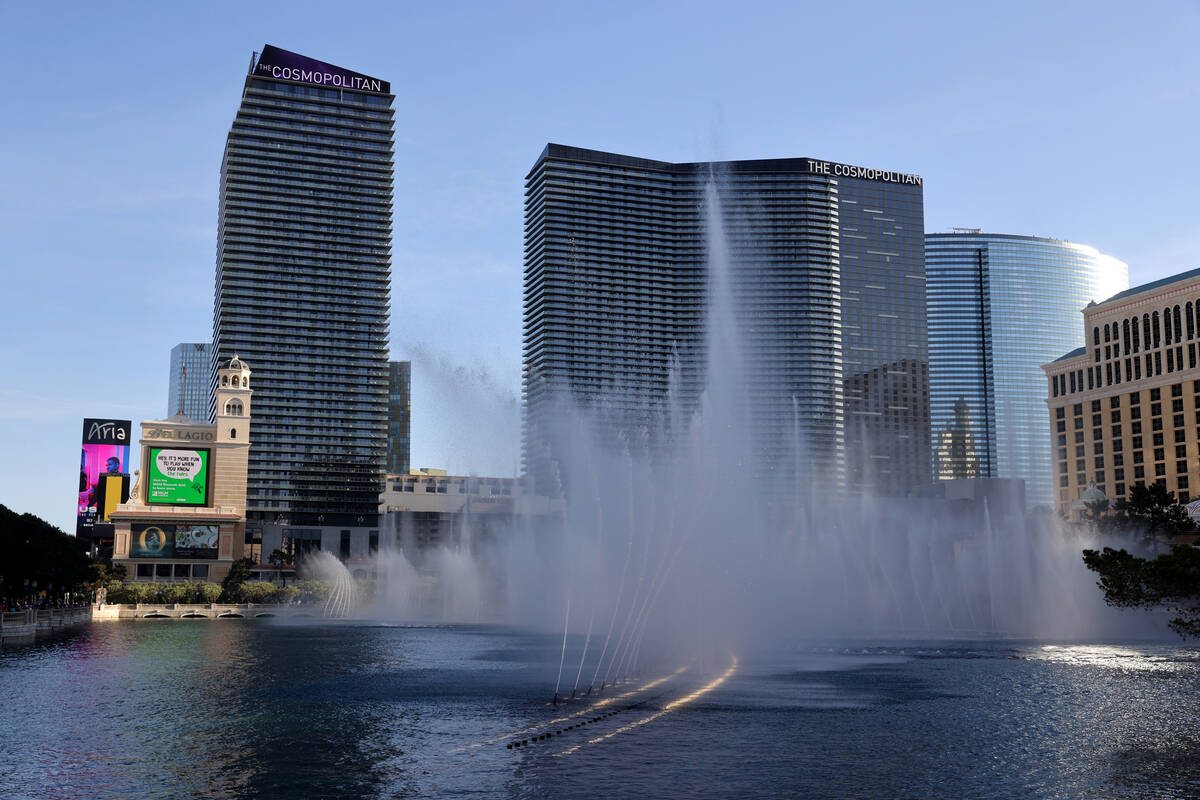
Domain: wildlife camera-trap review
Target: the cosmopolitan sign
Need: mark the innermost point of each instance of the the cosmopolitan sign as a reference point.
(848, 171)
(276, 63)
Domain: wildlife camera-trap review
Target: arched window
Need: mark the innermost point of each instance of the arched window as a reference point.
(1106, 334)
(224, 380)
(1166, 322)
(233, 433)
(1095, 336)
(1137, 345)
(245, 382)
(1191, 323)
(1147, 341)
(1175, 322)
(1125, 336)
(1157, 329)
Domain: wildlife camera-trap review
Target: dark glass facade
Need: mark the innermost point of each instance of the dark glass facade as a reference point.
(1000, 306)
(303, 286)
(827, 280)
(399, 415)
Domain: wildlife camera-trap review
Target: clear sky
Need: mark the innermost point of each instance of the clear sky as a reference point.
(1073, 120)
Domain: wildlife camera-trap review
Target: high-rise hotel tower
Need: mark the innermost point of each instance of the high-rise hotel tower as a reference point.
(827, 278)
(302, 289)
(1000, 306)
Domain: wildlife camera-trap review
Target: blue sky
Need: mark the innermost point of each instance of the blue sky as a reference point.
(1072, 120)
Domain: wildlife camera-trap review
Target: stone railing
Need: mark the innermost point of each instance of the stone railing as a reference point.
(17, 625)
(203, 611)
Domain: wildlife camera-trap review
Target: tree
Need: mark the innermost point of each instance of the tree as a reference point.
(239, 573)
(1150, 511)
(277, 559)
(37, 555)
(1170, 581)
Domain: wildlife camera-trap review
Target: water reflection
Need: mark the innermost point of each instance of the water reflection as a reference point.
(251, 709)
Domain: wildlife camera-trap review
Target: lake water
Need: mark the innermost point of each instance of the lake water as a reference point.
(246, 708)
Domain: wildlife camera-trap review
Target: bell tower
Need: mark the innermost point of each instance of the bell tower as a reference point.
(233, 402)
(232, 396)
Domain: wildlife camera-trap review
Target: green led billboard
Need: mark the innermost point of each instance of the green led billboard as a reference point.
(177, 477)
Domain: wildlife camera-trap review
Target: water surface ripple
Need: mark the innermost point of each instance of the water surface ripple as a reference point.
(250, 709)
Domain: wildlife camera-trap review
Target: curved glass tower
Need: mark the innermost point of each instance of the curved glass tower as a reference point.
(1000, 306)
(829, 294)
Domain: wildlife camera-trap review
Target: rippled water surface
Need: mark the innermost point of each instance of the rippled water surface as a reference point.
(240, 708)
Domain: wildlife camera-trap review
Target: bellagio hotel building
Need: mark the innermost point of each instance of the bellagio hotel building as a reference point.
(1125, 409)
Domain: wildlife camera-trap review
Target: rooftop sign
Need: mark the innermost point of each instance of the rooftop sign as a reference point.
(848, 171)
(276, 63)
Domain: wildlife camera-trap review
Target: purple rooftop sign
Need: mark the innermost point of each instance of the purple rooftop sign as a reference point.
(276, 63)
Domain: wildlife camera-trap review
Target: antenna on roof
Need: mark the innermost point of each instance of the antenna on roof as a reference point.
(253, 61)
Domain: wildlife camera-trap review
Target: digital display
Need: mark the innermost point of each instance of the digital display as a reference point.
(176, 477)
(151, 541)
(196, 541)
(105, 451)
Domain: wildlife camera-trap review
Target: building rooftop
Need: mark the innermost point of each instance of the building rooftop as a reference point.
(1078, 351)
(801, 164)
(1158, 284)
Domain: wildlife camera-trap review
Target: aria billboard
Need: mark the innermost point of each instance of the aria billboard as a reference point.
(104, 454)
(176, 477)
(173, 541)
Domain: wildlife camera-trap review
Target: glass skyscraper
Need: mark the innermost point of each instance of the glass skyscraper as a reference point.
(303, 286)
(828, 283)
(188, 389)
(399, 416)
(1000, 306)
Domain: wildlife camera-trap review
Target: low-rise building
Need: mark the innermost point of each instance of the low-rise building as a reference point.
(428, 508)
(1125, 407)
(186, 514)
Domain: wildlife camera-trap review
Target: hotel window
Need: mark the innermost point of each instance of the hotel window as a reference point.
(1121, 486)
(1139, 473)
(1160, 469)
(1181, 451)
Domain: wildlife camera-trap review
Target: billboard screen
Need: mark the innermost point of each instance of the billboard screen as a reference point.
(105, 451)
(176, 477)
(164, 540)
(196, 541)
(151, 541)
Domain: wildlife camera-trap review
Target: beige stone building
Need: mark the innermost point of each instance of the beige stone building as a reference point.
(1125, 408)
(429, 508)
(186, 514)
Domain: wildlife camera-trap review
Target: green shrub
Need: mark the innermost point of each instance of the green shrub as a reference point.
(174, 593)
(286, 594)
(206, 592)
(256, 592)
(313, 591)
(131, 592)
